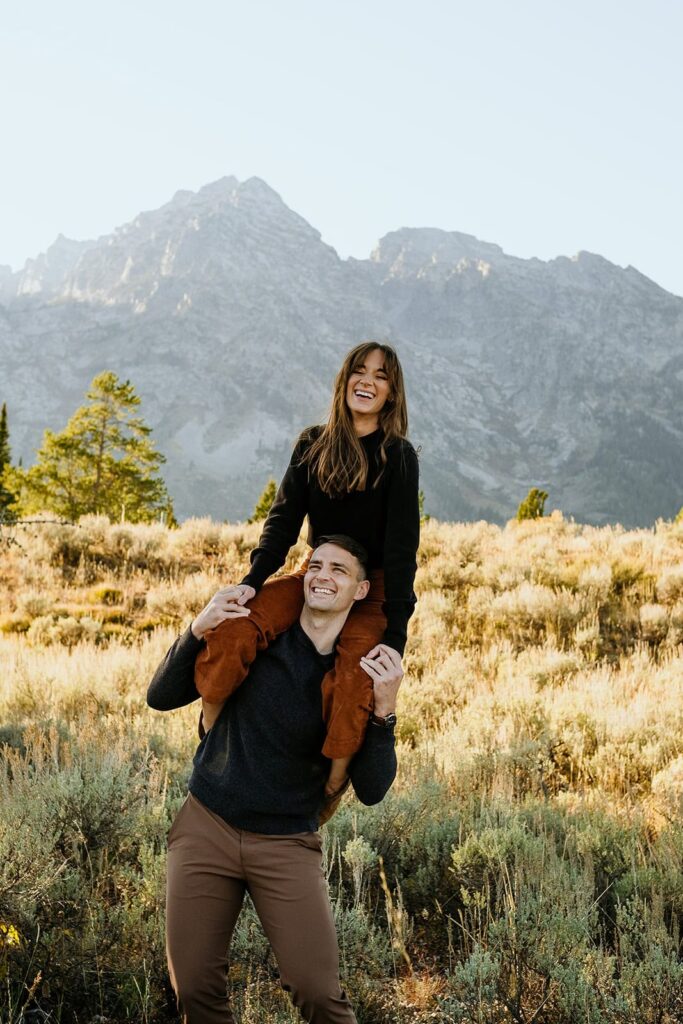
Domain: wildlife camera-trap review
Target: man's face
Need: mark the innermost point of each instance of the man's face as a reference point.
(332, 583)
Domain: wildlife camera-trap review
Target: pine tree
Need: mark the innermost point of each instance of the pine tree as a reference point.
(424, 516)
(103, 461)
(264, 504)
(7, 495)
(533, 505)
(5, 453)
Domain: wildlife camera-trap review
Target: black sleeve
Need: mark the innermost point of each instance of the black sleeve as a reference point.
(284, 519)
(373, 769)
(172, 685)
(401, 541)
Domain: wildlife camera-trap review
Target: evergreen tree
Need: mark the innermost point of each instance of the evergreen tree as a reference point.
(5, 453)
(264, 504)
(103, 461)
(424, 516)
(7, 496)
(533, 505)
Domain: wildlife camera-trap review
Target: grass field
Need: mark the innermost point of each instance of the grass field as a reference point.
(527, 865)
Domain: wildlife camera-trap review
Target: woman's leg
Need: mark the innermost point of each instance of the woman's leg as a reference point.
(232, 646)
(347, 689)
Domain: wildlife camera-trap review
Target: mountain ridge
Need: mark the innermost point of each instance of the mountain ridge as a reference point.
(230, 314)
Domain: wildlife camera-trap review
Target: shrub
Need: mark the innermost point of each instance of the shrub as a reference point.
(67, 630)
(106, 594)
(533, 505)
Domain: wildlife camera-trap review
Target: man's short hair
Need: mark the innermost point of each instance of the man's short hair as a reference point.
(342, 540)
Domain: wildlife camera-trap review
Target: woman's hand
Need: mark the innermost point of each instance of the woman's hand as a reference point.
(383, 665)
(227, 603)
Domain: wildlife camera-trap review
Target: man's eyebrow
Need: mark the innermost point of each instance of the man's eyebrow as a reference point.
(340, 565)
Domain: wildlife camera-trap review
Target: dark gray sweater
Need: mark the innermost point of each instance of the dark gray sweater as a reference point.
(260, 767)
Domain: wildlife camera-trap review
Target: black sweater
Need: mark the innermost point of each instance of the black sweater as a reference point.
(385, 520)
(260, 767)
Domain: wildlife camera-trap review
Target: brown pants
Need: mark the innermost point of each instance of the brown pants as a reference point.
(210, 865)
(347, 691)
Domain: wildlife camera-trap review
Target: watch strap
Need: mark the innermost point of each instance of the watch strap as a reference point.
(385, 723)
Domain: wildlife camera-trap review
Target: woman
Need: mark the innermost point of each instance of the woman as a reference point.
(356, 475)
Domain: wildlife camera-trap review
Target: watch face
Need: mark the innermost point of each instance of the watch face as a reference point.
(389, 721)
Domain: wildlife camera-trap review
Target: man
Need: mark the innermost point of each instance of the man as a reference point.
(250, 821)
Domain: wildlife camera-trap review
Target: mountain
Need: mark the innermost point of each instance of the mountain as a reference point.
(231, 316)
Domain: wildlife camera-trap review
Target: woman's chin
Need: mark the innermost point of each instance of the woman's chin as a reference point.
(364, 411)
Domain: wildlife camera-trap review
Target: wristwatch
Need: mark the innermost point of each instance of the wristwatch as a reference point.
(388, 722)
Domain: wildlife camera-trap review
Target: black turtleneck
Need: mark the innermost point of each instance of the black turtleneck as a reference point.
(384, 519)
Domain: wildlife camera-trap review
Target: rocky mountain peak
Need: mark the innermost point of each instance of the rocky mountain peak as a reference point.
(231, 316)
(409, 251)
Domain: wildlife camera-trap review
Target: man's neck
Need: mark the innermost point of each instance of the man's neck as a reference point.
(321, 628)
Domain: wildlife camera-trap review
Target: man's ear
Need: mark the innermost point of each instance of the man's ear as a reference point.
(361, 590)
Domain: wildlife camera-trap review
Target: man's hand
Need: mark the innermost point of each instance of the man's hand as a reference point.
(383, 665)
(227, 603)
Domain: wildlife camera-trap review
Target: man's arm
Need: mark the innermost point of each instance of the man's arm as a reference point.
(373, 769)
(172, 685)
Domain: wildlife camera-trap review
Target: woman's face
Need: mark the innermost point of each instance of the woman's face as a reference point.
(368, 388)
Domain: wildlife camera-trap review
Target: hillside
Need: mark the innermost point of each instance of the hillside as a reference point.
(231, 316)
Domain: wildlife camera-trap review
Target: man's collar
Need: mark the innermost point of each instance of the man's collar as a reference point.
(302, 637)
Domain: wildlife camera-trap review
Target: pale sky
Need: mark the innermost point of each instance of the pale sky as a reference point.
(544, 126)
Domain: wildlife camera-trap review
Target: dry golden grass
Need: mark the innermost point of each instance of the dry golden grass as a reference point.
(540, 729)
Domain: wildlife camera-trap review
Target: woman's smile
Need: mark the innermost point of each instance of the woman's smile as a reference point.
(367, 390)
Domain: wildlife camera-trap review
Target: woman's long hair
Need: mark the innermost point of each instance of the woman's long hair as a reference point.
(336, 456)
